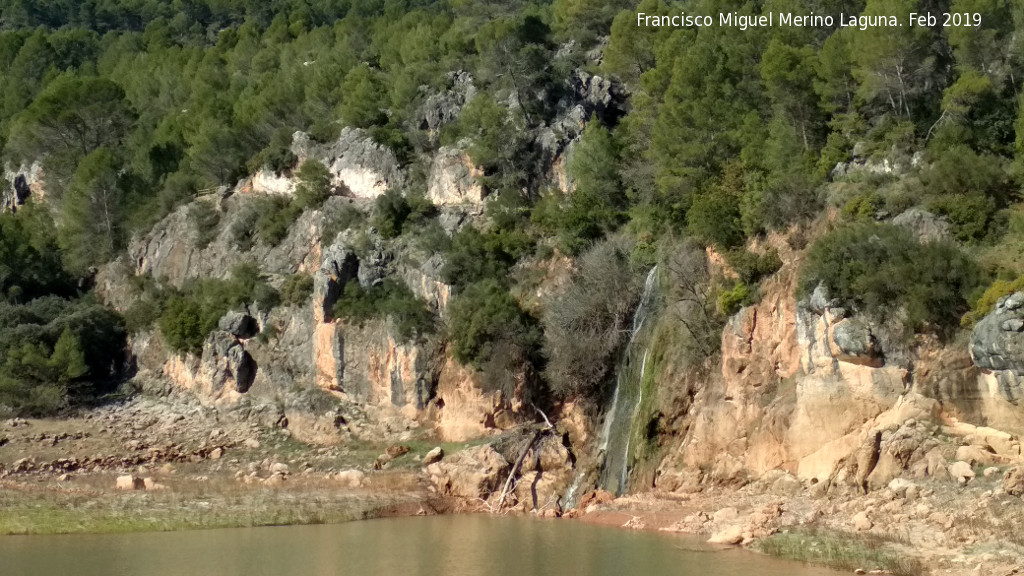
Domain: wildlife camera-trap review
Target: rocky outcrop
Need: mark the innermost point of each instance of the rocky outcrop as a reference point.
(997, 341)
(367, 169)
(927, 227)
(19, 184)
(268, 182)
(588, 95)
(220, 375)
(445, 107)
(841, 401)
(454, 180)
(997, 349)
(891, 164)
(170, 251)
(473, 474)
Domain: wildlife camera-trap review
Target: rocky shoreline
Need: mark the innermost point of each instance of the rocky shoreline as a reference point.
(160, 464)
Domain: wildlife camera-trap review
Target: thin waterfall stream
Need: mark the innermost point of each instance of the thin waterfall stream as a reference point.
(618, 424)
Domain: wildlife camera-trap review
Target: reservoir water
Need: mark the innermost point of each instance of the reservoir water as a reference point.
(433, 546)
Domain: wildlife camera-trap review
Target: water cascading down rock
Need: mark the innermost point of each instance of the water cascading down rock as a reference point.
(618, 424)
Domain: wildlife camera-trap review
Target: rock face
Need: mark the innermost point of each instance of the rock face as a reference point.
(445, 107)
(840, 401)
(19, 184)
(367, 169)
(271, 365)
(926, 226)
(997, 348)
(454, 179)
(267, 182)
(997, 342)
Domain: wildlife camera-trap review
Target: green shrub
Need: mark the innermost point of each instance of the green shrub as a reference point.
(731, 300)
(314, 186)
(204, 221)
(986, 303)
(714, 219)
(393, 212)
(751, 267)
(339, 220)
(960, 170)
(970, 214)
(190, 315)
(390, 299)
(475, 256)
(880, 268)
(184, 324)
(243, 230)
(275, 219)
(296, 289)
(390, 212)
(54, 352)
(863, 206)
(486, 316)
(141, 315)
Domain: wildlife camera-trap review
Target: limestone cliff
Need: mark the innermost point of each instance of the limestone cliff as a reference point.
(839, 400)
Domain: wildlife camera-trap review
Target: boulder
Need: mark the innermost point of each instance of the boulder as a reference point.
(854, 342)
(997, 342)
(729, 536)
(396, 451)
(900, 486)
(726, 515)
(926, 226)
(350, 478)
(239, 325)
(1013, 482)
(861, 522)
(226, 365)
(435, 455)
(961, 471)
(278, 468)
(976, 455)
(129, 482)
(472, 473)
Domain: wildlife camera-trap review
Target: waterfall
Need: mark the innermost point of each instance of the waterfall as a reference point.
(618, 424)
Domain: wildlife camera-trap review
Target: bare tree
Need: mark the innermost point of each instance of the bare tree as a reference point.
(587, 323)
(691, 296)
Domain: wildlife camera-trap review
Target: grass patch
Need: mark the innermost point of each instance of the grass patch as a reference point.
(44, 510)
(840, 550)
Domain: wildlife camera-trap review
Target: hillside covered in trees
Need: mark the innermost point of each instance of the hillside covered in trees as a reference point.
(712, 137)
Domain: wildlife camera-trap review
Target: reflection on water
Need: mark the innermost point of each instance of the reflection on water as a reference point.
(448, 546)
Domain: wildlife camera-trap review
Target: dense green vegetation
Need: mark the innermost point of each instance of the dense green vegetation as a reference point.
(714, 136)
(882, 268)
(390, 299)
(189, 315)
(56, 347)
